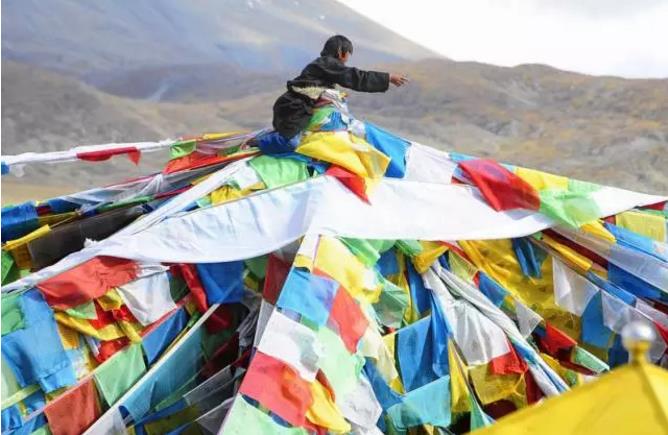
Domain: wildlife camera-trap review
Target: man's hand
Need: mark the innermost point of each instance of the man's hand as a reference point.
(398, 79)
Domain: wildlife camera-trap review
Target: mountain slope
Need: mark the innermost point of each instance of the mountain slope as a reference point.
(601, 129)
(44, 111)
(169, 43)
(604, 129)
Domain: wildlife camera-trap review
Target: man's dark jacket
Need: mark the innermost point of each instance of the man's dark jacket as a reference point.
(292, 110)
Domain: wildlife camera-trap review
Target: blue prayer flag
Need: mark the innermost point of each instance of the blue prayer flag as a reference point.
(158, 340)
(309, 295)
(50, 367)
(223, 282)
(414, 351)
(393, 146)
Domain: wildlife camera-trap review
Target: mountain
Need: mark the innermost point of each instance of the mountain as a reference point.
(45, 111)
(157, 49)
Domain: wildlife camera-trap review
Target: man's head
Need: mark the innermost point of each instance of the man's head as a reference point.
(338, 46)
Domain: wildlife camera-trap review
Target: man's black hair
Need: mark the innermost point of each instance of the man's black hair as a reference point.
(335, 45)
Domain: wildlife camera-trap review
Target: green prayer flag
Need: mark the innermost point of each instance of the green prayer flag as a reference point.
(83, 311)
(392, 303)
(245, 418)
(120, 372)
(10, 271)
(570, 208)
(12, 315)
(212, 342)
(586, 359)
(178, 288)
(182, 148)
(319, 117)
(341, 368)
(382, 245)
(276, 172)
(258, 266)
(409, 247)
(364, 250)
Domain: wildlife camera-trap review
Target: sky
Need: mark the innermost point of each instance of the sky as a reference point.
(627, 38)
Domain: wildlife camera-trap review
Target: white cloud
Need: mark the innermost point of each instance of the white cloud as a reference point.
(611, 37)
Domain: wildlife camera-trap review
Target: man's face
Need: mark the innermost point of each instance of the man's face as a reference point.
(344, 57)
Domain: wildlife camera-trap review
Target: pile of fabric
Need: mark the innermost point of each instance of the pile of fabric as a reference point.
(351, 281)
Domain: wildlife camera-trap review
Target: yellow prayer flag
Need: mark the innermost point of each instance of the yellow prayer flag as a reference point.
(430, 253)
(459, 391)
(647, 224)
(542, 180)
(334, 258)
(324, 412)
(347, 151)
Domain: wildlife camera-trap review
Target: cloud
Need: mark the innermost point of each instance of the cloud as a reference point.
(602, 37)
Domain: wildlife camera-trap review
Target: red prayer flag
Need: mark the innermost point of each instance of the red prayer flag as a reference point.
(87, 281)
(189, 274)
(533, 392)
(556, 340)
(107, 349)
(223, 318)
(279, 387)
(502, 189)
(104, 318)
(658, 206)
(277, 272)
(98, 156)
(508, 363)
(348, 318)
(73, 413)
(352, 181)
(199, 160)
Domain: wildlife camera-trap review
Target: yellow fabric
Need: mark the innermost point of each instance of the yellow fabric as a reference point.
(430, 253)
(39, 232)
(462, 267)
(597, 229)
(459, 391)
(490, 387)
(647, 224)
(386, 363)
(111, 300)
(303, 261)
(19, 247)
(218, 136)
(497, 259)
(334, 258)
(54, 219)
(632, 399)
(324, 412)
(225, 194)
(583, 263)
(347, 151)
(68, 336)
(109, 332)
(251, 282)
(542, 180)
(173, 421)
(131, 330)
(400, 280)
